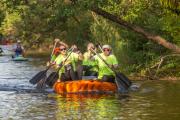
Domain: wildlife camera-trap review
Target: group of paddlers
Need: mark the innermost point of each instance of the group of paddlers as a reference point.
(76, 65)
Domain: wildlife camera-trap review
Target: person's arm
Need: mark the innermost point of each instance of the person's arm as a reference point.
(94, 58)
(23, 50)
(80, 56)
(57, 40)
(57, 61)
(115, 64)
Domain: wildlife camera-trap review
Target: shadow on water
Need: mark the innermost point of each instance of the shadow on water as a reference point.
(19, 100)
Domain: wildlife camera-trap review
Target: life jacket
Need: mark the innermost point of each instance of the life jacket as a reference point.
(19, 50)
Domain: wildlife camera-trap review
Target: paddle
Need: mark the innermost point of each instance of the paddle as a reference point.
(42, 74)
(1, 50)
(122, 82)
(54, 75)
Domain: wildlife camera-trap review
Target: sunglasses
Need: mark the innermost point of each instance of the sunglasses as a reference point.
(106, 50)
(63, 49)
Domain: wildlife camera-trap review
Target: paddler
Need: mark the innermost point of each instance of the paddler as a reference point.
(77, 64)
(19, 49)
(67, 72)
(105, 73)
(89, 66)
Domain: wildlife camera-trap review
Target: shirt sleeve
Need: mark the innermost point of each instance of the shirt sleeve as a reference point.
(114, 60)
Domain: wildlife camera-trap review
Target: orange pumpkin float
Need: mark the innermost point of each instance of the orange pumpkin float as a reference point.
(84, 86)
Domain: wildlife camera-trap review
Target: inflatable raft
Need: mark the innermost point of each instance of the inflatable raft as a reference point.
(84, 86)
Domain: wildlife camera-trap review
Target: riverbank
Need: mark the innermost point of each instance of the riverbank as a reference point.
(168, 78)
(36, 53)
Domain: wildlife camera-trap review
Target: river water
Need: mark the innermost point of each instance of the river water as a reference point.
(19, 100)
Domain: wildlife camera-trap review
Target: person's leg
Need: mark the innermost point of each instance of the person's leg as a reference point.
(73, 74)
(80, 69)
(70, 73)
(87, 70)
(93, 73)
(108, 78)
(63, 77)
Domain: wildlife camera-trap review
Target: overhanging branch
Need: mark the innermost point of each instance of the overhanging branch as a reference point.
(155, 38)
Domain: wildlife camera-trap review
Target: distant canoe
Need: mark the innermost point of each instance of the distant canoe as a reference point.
(20, 58)
(84, 86)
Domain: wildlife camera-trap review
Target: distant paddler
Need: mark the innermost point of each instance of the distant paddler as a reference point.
(19, 49)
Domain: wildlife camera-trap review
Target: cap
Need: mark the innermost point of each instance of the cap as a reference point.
(18, 41)
(106, 47)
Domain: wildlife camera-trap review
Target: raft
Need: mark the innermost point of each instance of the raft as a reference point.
(20, 58)
(84, 86)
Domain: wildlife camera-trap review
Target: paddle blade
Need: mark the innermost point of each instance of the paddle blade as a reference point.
(39, 76)
(52, 78)
(41, 84)
(123, 83)
(122, 88)
(124, 79)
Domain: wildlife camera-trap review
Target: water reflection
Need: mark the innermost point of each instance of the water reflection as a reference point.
(87, 107)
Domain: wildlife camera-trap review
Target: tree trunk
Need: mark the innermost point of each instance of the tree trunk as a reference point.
(156, 38)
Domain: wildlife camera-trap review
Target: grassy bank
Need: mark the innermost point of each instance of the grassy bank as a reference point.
(36, 53)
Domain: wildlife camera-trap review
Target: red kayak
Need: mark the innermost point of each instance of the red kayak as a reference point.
(84, 86)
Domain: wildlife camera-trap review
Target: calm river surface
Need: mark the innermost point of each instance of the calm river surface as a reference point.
(19, 100)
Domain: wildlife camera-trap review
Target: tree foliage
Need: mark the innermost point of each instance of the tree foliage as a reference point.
(38, 22)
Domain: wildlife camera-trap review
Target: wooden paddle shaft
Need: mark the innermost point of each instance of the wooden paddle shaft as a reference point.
(53, 48)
